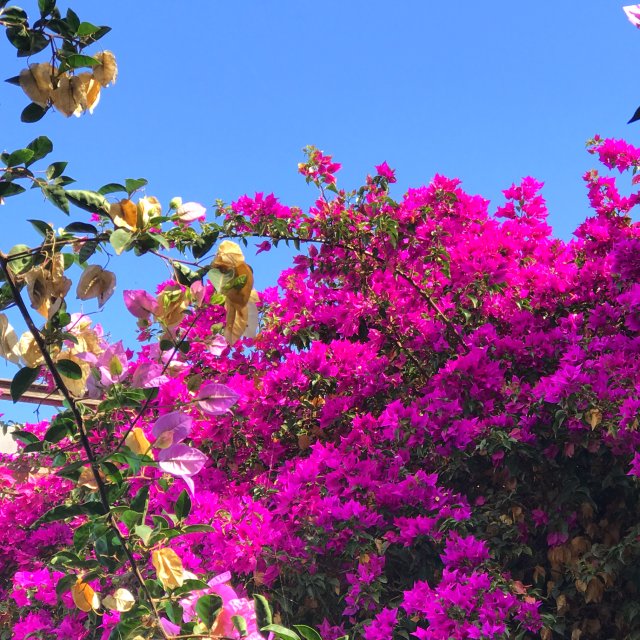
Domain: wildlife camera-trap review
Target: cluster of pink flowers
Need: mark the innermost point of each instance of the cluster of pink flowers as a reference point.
(421, 427)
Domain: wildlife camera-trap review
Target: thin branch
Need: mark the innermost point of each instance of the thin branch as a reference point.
(84, 437)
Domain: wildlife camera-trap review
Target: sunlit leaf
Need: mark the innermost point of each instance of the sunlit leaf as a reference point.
(22, 381)
(208, 607)
(168, 566)
(84, 597)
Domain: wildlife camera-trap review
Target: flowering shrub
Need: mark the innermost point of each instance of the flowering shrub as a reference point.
(432, 432)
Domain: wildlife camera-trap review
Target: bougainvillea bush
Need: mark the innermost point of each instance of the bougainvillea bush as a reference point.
(433, 435)
(428, 429)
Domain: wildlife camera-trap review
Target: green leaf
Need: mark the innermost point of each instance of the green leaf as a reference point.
(81, 535)
(240, 624)
(635, 117)
(183, 505)
(46, 6)
(55, 170)
(263, 611)
(25, 437)
(100, 33)
(72, 470)
(185, 275)
(88, 249)
(33, 112)
(198, 528)
(72, 20)
(22, 381)
(19, 157)
(62, 512)
(236, 283)
(58, 430)
(19, 37)
(174, 612)
(281, 632)
(86, 29)
(57, 196)
(203, 244)
(69, 369)
(133, 185)
(190, 585)
(80, 227)
(131, 518)
(144, 532)
(41, 147)
(14, 15)
(139, 501)
(42, 227)
(10, 189)
(208, 608)
(24, 262)
(120, 240)
(307, 632)
(64, 584)
(89, 201)
(28, 42)
(112, 187)
(217, 279)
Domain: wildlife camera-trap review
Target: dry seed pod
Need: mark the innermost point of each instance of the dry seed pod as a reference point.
(107, 71)
(68, 97)
(36, 82)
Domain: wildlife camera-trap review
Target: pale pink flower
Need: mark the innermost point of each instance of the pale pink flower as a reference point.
(633, 13)
(190, 212)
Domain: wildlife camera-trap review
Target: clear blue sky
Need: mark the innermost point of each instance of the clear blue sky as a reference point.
(216, 99)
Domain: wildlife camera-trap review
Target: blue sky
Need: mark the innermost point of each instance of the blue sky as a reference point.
(216, 99)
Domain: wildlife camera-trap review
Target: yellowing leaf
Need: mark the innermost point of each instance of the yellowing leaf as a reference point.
(168, 568)
(137, 442)
(84, 597)
(122, 600)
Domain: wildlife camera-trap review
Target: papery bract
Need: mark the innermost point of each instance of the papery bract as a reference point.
(190, 212)
(171, 428)
(140, 303)
(216, 399)
(633, 14)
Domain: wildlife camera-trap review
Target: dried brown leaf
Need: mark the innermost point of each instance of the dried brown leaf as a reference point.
(107, 71)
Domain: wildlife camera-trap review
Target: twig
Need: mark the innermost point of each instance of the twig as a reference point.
(84, 437)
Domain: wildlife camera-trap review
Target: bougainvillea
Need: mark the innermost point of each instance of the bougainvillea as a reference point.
(431, 433)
